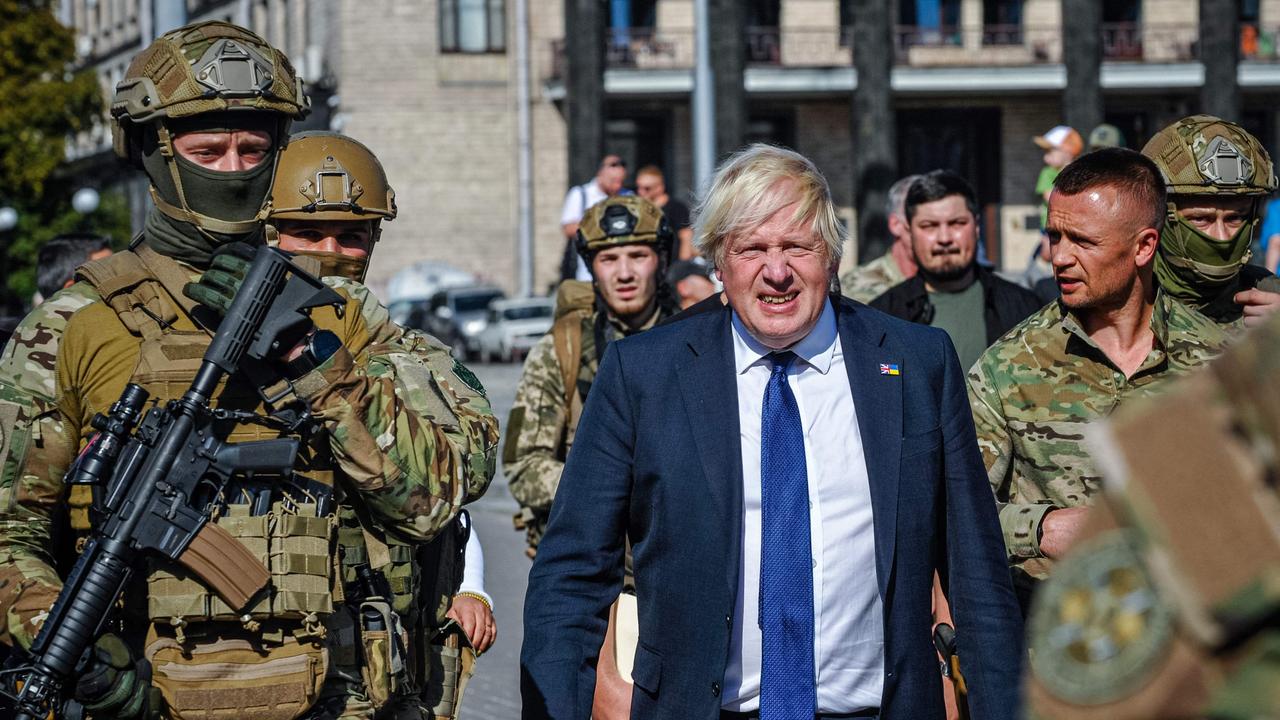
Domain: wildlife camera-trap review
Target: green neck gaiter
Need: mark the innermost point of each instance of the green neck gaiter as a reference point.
(1196, 268)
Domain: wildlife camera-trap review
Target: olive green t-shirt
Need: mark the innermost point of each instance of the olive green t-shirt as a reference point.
(961, 315)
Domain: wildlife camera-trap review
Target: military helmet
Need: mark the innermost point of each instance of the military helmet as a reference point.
(327, 176)
(624, 220)
(201, 68)
(1205, 155)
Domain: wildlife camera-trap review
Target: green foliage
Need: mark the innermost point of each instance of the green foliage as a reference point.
(35, 228)
(42, 101)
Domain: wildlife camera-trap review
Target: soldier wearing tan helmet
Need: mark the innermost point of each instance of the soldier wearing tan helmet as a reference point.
(627, 244)
(1217, 175)
(203, 111)
(328, 202)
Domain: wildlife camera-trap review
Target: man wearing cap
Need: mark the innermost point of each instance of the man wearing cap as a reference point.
(204, 111)
(1061, 145)
(1217, 175)
(1105, 135)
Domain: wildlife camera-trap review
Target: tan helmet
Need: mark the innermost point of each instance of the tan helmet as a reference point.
(624, 220)
(201, 68)
(1205, 155)
(324, 175)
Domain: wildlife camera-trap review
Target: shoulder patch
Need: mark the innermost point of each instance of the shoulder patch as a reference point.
(468, 378)
(1099, 628)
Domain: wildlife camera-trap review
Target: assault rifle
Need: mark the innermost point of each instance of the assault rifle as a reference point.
(162, 480)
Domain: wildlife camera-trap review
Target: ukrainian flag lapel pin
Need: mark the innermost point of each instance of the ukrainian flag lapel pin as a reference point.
(889, 369)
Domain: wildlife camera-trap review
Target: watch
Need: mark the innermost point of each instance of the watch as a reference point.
(321, 346)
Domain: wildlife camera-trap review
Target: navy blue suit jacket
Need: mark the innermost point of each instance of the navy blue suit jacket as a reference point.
(657, 458)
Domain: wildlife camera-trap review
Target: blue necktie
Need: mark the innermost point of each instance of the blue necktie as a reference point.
(787, 686)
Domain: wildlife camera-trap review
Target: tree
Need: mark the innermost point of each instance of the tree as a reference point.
(42, 102)
(875, 144)
(728, 63)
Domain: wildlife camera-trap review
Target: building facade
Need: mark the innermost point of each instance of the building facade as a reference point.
(431, 87)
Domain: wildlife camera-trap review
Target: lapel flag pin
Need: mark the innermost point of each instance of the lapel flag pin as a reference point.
(889, 369)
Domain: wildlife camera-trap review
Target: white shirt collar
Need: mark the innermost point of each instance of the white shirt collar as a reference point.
(817, 348)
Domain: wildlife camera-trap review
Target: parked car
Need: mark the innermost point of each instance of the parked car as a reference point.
(513, 327)
(456, 316)
(414, 286)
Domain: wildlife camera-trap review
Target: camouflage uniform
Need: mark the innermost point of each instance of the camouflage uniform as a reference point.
(543, 423)
(1033, 392)
(868, 282)
(1165, 607)
(416, 438)
(544, 419)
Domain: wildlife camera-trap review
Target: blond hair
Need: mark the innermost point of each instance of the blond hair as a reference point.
(753, 184)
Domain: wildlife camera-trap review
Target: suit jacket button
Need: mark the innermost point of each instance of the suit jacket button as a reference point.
(715, 689)
(728, 621)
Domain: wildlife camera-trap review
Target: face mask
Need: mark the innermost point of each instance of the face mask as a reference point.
(227, 205)
(337, 264)
(1195, 267)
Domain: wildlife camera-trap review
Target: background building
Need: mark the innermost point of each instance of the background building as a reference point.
(430, 86)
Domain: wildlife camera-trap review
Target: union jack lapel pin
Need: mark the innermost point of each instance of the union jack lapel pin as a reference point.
(889, 369)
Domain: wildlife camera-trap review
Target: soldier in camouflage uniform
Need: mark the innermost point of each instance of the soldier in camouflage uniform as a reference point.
(1111, 337)
(203, 111)
(870, 280)
(328, 201)
(1217, 177)
(627, 243)
(1166, 607)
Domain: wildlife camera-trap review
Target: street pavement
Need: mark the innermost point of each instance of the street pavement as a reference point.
(494, 691)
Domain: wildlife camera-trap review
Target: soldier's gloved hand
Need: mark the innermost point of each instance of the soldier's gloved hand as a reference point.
(113, 683)
(220, 283)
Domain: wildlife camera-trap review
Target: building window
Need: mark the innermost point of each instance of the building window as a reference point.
(473, 26)
(930, 22)
(1002, 22)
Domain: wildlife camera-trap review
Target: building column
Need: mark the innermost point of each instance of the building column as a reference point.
(584, 86)
(875, 143)
(728, 65)
(971, 25)
(1220, 53)
(1082, 103)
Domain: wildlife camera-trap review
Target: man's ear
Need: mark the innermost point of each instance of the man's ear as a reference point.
(1144, 251)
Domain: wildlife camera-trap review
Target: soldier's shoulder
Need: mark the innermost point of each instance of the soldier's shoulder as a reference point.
(28, 361)
(1030, 342)
(542, 357)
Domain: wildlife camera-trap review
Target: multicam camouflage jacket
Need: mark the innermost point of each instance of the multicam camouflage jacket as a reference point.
(544, 419)
(1035, 389)
(868, 282)
(409, 428)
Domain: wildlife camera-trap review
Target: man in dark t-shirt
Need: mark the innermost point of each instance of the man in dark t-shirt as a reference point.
(651, 186)
(951, 290)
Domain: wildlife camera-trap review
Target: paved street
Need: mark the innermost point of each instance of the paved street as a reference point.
(494, 692)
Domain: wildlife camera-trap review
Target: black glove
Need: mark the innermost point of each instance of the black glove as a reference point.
(112, 683)
(220, 283)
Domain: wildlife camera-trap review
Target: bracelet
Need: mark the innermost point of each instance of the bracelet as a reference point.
(477, 596)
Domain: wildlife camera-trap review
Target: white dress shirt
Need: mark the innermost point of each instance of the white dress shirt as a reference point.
(848, 613)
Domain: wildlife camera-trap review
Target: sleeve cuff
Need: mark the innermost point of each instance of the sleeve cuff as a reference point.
(1021, 526)
(316, 383)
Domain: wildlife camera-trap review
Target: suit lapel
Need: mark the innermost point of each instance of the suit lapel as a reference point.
(709, 389)
(877, 399)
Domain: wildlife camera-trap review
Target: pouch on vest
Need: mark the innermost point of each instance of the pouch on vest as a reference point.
(453, 662)
(296, 548)
(235, 673)
(383, 640)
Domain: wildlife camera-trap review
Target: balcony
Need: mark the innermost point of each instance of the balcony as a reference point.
(915, 47)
